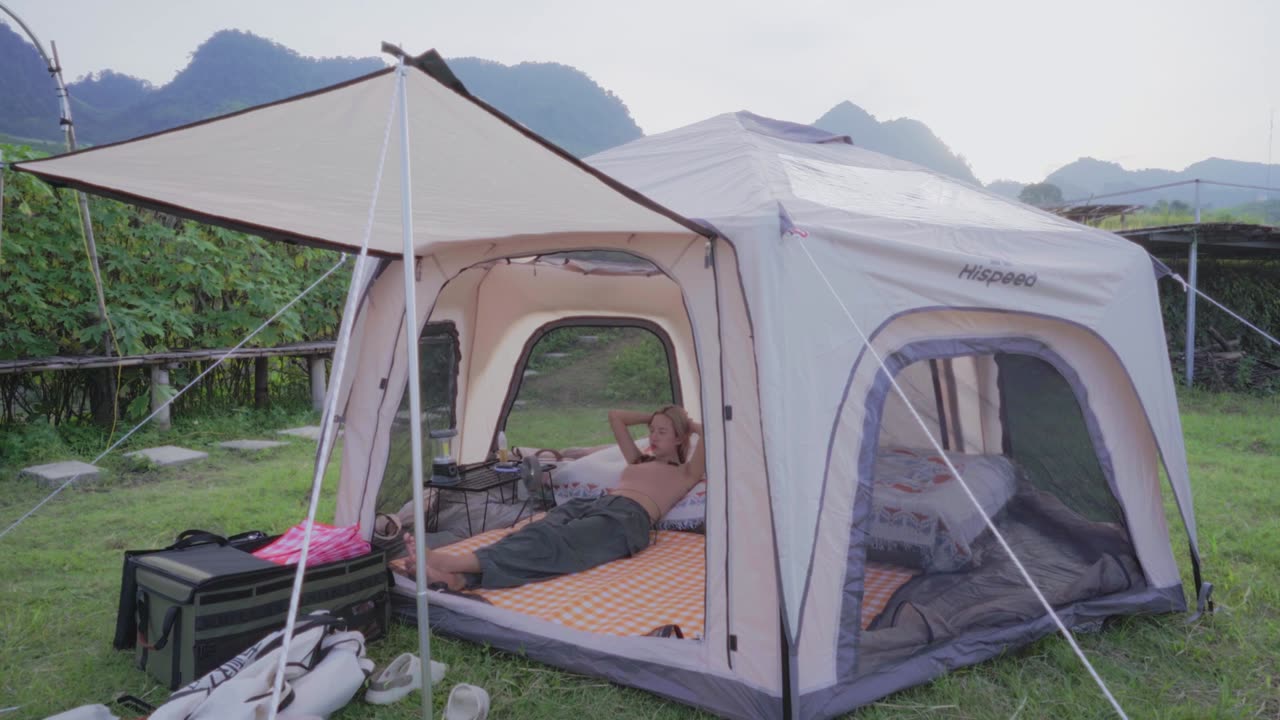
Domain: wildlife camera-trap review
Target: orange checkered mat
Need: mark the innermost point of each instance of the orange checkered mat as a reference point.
(663, 585)
(881, 582)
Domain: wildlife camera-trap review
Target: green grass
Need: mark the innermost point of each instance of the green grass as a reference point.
(60, 580)
(557, 427)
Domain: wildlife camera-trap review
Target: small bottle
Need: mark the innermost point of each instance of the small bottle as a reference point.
(502, 446)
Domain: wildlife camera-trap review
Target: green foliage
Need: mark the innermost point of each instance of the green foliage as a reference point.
(1180, 213)
(28, 443)
(1248, 288)
(640, 372)
(30, 107)
(562, 347)
(169, 284)
(1041, 194)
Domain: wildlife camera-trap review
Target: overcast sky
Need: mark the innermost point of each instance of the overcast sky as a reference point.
(1019, 87)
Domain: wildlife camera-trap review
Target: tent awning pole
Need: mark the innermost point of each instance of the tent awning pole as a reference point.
(415, 396)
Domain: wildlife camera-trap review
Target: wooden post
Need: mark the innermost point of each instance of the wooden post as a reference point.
(261, 399)
(316, 365)
(159, 393)
(1191, 296)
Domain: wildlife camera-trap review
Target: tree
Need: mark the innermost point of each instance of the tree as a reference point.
(1042, 194)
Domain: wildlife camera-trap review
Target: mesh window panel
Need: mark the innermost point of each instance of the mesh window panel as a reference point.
(935, 573)
(438, 356)
(1045, 433)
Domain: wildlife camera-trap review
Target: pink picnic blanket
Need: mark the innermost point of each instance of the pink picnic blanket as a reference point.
(328, 544)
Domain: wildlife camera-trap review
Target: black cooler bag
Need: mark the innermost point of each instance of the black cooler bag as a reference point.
(190, 607)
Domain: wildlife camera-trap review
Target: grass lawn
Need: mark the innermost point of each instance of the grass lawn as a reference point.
(60, 575)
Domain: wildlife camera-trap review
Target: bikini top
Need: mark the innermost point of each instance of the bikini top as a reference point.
(649, 458)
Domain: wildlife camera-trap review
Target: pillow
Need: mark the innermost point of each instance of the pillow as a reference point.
(590, 476)
(690, 514)
(601, 471)
(921, 516)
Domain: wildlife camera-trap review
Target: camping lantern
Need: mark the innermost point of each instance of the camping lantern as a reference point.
(444, 466)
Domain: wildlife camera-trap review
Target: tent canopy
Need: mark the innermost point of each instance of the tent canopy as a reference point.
(303, 170)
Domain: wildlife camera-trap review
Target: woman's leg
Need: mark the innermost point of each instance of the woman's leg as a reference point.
(443, 567)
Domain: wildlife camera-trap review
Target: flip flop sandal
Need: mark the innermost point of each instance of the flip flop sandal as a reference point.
(467, 702)
(399, 678)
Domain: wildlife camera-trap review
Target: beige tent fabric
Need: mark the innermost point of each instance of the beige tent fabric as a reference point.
(514, 300)
(892, 238)
(304, 169)
(1121, 419)
(742, 511)
(494, 319)
(496, 307)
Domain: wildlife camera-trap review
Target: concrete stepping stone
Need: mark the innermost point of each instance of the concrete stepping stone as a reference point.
(310, 432)
(55, 474)
(251, 445)
(168, 455)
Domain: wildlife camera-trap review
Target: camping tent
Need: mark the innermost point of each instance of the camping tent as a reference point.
(1031, 348)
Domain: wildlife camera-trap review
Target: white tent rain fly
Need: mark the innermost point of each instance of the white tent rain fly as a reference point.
(842, 549)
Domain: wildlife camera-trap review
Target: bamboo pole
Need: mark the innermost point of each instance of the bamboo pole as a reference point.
(68, 127)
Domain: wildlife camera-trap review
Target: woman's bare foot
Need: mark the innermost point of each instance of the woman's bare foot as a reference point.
(452, 580)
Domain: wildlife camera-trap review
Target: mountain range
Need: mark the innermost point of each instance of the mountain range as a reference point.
(235, 69)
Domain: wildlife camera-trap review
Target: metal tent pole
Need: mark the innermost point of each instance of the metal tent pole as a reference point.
(1191, 296)
(415, 396)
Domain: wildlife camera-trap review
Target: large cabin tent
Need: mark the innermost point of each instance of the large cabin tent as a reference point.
(1031, 348)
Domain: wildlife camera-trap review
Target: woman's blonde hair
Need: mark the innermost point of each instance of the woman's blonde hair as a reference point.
(679, 418)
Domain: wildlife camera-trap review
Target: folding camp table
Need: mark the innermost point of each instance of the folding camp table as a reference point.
(480, 478)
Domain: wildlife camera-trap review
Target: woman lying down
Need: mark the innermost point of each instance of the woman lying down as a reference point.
(583, 532)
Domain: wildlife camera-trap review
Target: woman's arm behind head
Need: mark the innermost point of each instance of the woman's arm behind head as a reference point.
(619, 420)
(697, 465)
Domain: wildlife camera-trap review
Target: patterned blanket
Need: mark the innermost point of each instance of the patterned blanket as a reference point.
(922, 517)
